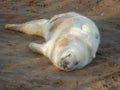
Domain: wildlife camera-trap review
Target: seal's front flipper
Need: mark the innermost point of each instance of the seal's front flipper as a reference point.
(39, 48)
(44, 48)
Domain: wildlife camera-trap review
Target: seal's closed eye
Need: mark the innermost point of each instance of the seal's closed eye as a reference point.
(67, 56)
(76, 63)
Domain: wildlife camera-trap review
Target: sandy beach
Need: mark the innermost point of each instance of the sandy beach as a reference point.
(22, 69)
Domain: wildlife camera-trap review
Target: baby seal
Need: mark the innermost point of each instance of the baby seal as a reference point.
(71, 39)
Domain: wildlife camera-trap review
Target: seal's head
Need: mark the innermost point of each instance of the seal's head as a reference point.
(70, 58)
(68, 61)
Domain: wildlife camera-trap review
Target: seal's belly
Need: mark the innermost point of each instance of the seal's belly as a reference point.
(60, 23)
(76, 27)
(59, 26)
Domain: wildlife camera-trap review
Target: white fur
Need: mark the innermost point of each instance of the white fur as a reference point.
(71, 43)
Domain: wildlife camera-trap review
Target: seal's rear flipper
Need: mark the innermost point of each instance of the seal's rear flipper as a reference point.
(34, 27)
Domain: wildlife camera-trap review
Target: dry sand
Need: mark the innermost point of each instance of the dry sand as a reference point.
(21, 69)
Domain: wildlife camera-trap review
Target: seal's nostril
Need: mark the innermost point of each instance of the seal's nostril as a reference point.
(65, 64)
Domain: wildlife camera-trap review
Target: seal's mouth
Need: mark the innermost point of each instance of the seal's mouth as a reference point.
(66, 69)
(66, 65)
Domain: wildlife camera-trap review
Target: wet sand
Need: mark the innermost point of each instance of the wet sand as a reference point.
(22, 69)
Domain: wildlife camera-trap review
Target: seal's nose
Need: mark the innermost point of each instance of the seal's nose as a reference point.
(65, 64)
